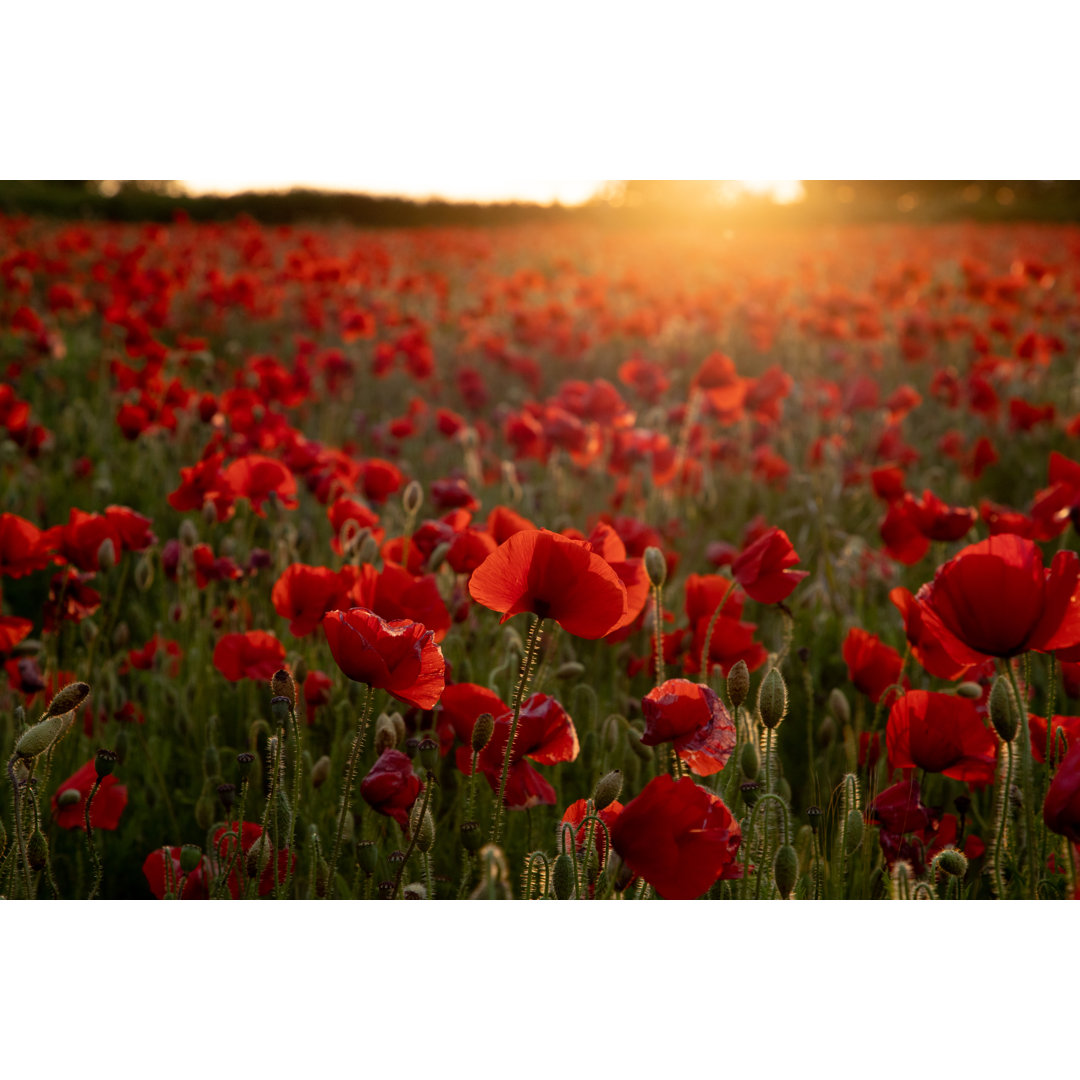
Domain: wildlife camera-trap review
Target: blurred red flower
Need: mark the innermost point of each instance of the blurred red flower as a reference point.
(255, 654)
(872, 666)
(256, 478)
(1061, 810)
(391, 786)
(318, 687)
(105, 810)
(764, 568)
(399, 656)
(691, 717)
(677, 836)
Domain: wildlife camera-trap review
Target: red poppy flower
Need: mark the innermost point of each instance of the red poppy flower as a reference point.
(872, 666)
(545, 734)
(318, 687)
(692, 718)
(607, 543)
(553, 577)
(196, 885)
(144, 659)
(996, 599)
(252, 655)
(677, 836)
(12, 631)
(460, 705)
(82, 540)
(391, 787)
(70, 599)
(256, 478)
(345, 510)
(575, 815)
(1061, 810)
(1067, 727)
(941, 733)
(764, 568)
(132, 528)
(105, 810)
(304, 594)
(204, 482)
(399, 656)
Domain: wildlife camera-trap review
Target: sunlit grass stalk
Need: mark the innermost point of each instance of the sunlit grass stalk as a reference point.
(350, 779)
(528, 662)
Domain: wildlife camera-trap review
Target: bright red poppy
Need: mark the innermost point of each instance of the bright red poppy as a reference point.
(677, 836)
(255, 654)
(764, 568)
(694, 720)
(105, 810)
(399, 656)
(391, 786)
(553, 577)
(257, 478)
(575, 815)
(196, 884)
(872, 666)
(304, 594)
(941, 733)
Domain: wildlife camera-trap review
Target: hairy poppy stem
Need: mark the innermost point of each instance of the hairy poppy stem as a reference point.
(528, 662)
(709, 631)
(429, 783)
(95, 858)
(1002, 815)
(658, 633)
(19, 834)
(1026, 781)
(350, 779)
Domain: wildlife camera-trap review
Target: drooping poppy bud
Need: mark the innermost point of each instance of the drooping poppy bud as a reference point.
(772, 699)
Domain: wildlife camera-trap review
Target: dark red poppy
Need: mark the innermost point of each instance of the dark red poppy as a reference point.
(553, 577)
(13, 630)
(143, 659)
(257, 478)
(196, 885)
(318, 688)
(677, 836)
(764, 568)
(460, 705)
(996, 599)
(70, 599)
(304, 594)
(399, 656)
(1061, 810)
(205, 483)
(391, 786)
(872, 666)
(575, 815)
(346, 511)
(105, 810)
(85, 539)
(941, 733)
(692, 718)
(132, 528)
(255, 654)
(1065, 728)
(607, 543)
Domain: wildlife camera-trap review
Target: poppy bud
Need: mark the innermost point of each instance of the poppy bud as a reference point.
(37, 739)
(608, 789)
(472, 838)
(190, 857)
(783, 789)
(749, 761)
(969, 690)
(412, 498)
(282, 685)
(320, 772)
(611, 732)
(69, 699)
(227, 794)
(570, 670)
(853, 831)
(750, 793)
(414, 891)
(385, 734)
(902, 878)
(260, 851)
(429, 754)
(121, 637)
(204, 810)
(399, 726)
(483, 729)
(37, 850)
(1002, 714)
(813, 815)
(425, 833)
(300, 674)
(772, 699)
(188, 534)
(106, 554)
(244, 760)
(656, 566)
(144, 573)
(104, 763)
(738, 683)
(562, 875)
(953, 862)
(826, 732)
(785, 870)
(838, 706)
(68, 797)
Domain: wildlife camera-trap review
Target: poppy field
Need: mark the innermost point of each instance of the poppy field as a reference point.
(539, 563)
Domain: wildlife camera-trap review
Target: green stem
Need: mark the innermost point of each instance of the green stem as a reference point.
(95, 858)
(1003, 814)
(1026, 780)
(428, 785)
(350, 779)
(658, 633)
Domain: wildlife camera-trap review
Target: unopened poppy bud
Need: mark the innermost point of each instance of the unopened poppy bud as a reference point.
(414, 891)
(656, 566)
(838, 707)
(611, 732)
(300, 674)
(438, 556)
(279, 711)
(472, 838)
(749, 761)
(813, 815)
(260, 851)
(104, 763)
(144, 573)
(121, 637)
(772, 699)
(785, 870)
(320, 771)
(412, 498)
(367, 856)
(1002, 713)
(244, 760)
(40, 737)
(783, 789)
(750, 792)
(425, 833)
(562, 877)
(204, 810)
(399, 726)
(608, 789)
(282, 685)
(68, 797)
(385, 734)
(952, 861)
(826, 731)
(227, 794)
(738, 683)
(969, 690)
(853, 831)
(482, 731)
(190, 857)
(106, 554)
(37, 850)
(570, 670)
(69, 699)
(429, 754)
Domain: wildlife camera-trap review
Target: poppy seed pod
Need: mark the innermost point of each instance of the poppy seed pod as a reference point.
(282, 685)
(656, 566)
(412, 746)
(244, 760)
(279, 711)
(104, 763)
(429, 754)
(190, 856)
(68, 699)
(483, 729)
(785, 870)
(367, 856)
(227, 794)
(562, 878)
(608, 789)
(953, 862)
(1002, 714)
(813, 815)
(738, 683)
(472, 838)
(772, 699)
(750, 792)
(40, 737)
